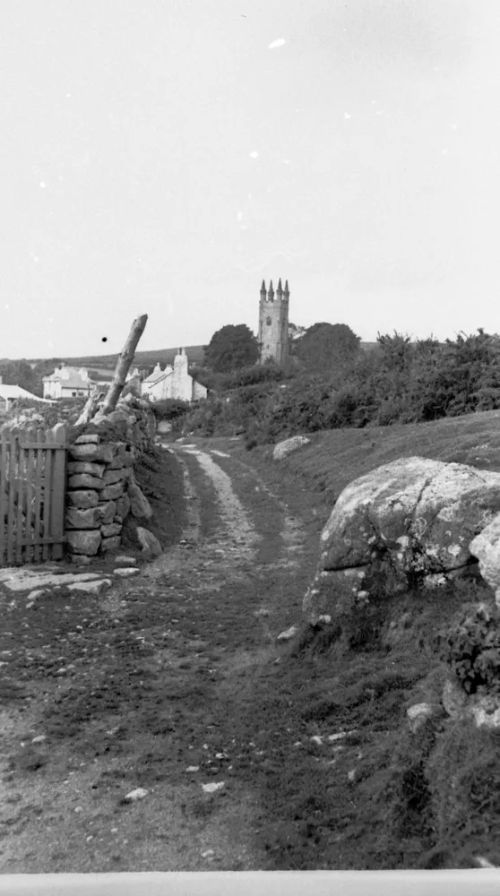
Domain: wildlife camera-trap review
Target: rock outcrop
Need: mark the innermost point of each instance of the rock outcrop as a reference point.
(418, 523)
(283, 449)
(412, 521)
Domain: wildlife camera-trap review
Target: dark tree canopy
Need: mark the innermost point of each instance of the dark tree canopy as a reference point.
(327, 346)
(20, 373)
(232, 347)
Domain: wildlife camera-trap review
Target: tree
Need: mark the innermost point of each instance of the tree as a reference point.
(231, 347)
(19, 373)
(327, 347)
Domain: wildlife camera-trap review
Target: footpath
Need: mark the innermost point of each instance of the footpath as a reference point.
(146, 717)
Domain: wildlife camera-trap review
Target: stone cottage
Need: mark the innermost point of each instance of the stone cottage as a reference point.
(173, 382)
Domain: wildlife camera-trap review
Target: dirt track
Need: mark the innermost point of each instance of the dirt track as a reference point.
(159, 685)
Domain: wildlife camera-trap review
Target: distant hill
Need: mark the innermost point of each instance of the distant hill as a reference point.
(141, 359)
(102, 363)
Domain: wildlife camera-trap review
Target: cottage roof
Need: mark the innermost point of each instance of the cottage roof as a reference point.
(158, 374)
(159, 377)
(70, 378)
(8, 391)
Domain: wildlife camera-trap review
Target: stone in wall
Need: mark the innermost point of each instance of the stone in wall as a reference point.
(110, 530)
(111, 544)
(83, 498)
(84, 542)
(123, 506)
(87, 438)
(111, 492)
(124, 457)
(79, 518)
(85, 481)
(115, 475)
(139, 504)
(83, 466)
(92, 453)
(107, 512)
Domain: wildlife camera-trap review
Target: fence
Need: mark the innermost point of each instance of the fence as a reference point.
(32, 490)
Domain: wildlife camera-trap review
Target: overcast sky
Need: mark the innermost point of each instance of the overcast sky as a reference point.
(164, 156)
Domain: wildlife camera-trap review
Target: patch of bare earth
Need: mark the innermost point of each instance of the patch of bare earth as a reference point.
(149, 687)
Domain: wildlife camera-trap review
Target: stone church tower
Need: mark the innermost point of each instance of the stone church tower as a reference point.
(273, 322)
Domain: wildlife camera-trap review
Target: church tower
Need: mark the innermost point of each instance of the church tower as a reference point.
(273, 322)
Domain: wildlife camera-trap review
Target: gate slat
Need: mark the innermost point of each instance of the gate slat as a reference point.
(20, 493)
(37, 503)
(30, 523)
(11, 535)
(4, 454)
(46, 483)
(57, 495)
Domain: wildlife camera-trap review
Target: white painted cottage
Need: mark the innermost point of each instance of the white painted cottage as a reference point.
(173, 382)
(67, 382)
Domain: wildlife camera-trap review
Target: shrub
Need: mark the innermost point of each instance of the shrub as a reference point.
(471, 646)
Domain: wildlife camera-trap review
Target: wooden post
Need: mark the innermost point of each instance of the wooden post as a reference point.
(123, 364)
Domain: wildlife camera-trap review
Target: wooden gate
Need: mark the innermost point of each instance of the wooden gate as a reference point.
(32, 491)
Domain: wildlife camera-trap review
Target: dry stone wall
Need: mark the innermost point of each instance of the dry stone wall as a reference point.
(101, 486)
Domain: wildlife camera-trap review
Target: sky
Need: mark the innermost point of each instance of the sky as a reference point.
(163, 157)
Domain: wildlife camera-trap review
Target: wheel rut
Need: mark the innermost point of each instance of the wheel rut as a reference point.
(160, 672)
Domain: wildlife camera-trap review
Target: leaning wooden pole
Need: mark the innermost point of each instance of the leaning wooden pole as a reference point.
(123, 364)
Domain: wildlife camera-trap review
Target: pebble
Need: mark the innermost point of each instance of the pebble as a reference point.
(193, 768)
(207, 853)
(213, 786)
(138, 794)
(288, 634)
(35, 594)
(317, 739)
(125, 571)
(39, 739)
(339, 736)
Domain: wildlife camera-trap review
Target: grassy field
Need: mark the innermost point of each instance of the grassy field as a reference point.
(424, 799)
(336, 457)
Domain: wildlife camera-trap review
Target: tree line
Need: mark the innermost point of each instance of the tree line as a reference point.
(332, 381)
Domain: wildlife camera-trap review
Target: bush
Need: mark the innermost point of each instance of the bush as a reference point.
(169, 408)
(471, 646)
(398, 381)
